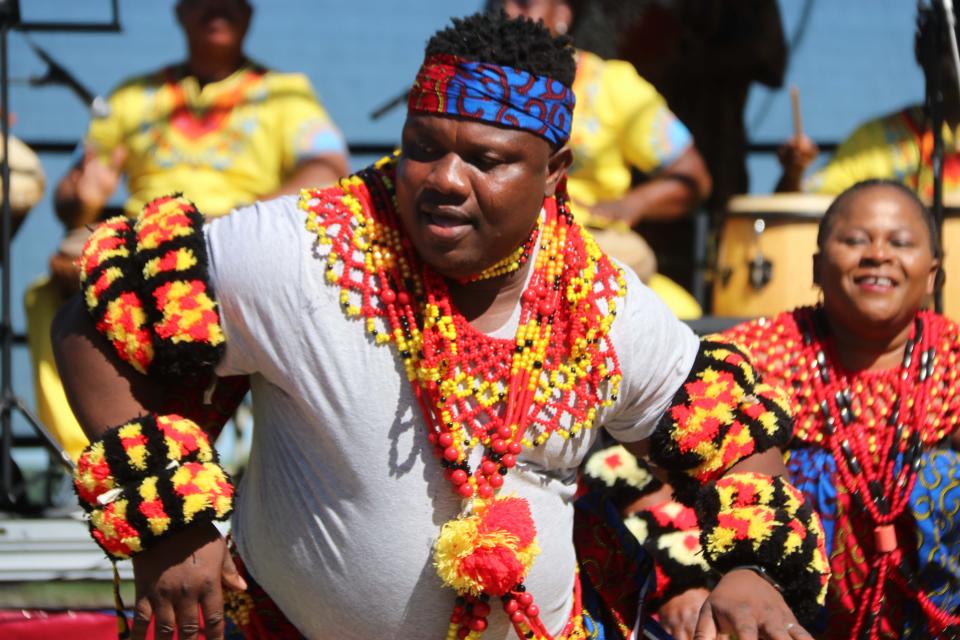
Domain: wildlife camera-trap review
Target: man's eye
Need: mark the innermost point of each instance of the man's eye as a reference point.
(418, 150)
(485, 163)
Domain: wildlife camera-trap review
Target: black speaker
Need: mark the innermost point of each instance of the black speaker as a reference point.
(10, 12)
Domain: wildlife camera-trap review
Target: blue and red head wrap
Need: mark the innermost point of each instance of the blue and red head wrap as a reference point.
(500, 95)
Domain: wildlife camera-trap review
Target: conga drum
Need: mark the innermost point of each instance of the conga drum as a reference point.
(765, 254)
(27, 180)
(950, 241)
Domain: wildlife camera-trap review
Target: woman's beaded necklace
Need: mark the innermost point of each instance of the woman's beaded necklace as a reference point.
(879, 483)
(474, 390)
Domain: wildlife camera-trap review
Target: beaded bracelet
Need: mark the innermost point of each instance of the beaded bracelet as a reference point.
(147, 478)
(147, 288)
(722, 414)
(756, 520)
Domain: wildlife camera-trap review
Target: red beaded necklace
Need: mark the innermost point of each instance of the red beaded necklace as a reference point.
(476, 391)
(879, 484)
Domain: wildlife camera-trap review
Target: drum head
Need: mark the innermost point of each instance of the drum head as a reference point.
(27, 180)
(791, 205)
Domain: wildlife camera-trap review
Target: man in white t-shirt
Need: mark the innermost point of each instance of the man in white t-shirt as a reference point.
(428, 344)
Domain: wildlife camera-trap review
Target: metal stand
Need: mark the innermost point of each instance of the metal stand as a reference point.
(10, 402)
(944, 35)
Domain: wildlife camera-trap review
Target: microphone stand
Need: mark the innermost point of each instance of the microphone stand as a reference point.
(933, 52)
(10, 402)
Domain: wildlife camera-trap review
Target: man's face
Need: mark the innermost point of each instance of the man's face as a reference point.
(552, 12)
(469, 193)
(219, 24)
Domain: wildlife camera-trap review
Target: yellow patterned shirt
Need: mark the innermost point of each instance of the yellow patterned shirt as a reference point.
(897, 146)
(620, 122)
(223, 144)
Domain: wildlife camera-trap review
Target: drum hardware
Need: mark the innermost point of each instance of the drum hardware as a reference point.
(9, 401)
(759, 268)
(764, 253)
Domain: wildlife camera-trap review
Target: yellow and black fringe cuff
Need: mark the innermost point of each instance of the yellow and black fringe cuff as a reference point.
(147, 478)
(146, 285)
(618, 474)
(721, 414)
(752, 519)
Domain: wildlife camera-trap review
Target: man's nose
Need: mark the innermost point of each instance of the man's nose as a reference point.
(449, 176)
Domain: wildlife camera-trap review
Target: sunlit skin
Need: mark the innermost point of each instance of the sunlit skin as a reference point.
(469, 193)
(215, 30)
(876, 269)
(552, 12)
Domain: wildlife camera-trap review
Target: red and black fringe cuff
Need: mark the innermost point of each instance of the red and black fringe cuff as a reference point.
(147, 287)
(752, 519)
(147, 478)
(670, 534)
(721, 414)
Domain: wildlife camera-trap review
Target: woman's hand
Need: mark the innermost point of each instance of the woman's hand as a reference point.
(679, 614)
(181, 578)
(747, 607)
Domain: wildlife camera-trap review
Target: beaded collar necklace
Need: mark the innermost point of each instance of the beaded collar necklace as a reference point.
(477, 392)
(517, 258)
(879, 484)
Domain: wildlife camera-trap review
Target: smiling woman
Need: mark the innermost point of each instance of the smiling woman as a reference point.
(874, 385)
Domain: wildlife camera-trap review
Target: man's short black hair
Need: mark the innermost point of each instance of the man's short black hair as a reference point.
(494, 38)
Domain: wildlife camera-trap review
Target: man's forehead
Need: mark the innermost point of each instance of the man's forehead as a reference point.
(468, 129)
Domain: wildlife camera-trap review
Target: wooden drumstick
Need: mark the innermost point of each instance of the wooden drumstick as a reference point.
(795, 109)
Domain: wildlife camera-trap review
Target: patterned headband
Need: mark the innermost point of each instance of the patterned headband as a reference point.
(493, 93)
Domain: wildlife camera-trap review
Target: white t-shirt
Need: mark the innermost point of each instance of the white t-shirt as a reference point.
(343, 497)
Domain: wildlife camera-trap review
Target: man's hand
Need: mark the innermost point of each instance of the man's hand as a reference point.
(795, 156)
(181, 578)
(746, 607)
(96, 180)
(679, 614)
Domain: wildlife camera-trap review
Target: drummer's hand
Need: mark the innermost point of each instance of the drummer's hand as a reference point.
(679, 614)
(745, 606)
(796, 154)
(180, 577)
(97, 180)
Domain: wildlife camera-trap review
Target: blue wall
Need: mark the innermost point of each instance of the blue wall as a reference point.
(854, 60)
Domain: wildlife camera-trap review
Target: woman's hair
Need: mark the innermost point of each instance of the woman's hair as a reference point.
(494, 38)
(840, 204)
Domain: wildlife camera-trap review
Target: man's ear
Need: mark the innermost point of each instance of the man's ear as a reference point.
(557, 167)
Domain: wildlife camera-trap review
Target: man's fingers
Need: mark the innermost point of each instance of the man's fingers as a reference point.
(164, 620)
(213, 620)
(142, 612)
(188, 618)
(229, 576)
(706, 628)
(797, 632)
(739, 622)
(118, 157)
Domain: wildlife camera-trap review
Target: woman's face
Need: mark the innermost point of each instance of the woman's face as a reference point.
(876, 267)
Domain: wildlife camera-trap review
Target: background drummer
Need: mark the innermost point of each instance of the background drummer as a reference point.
(229, 131)
(896, 146)
(621, 125)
